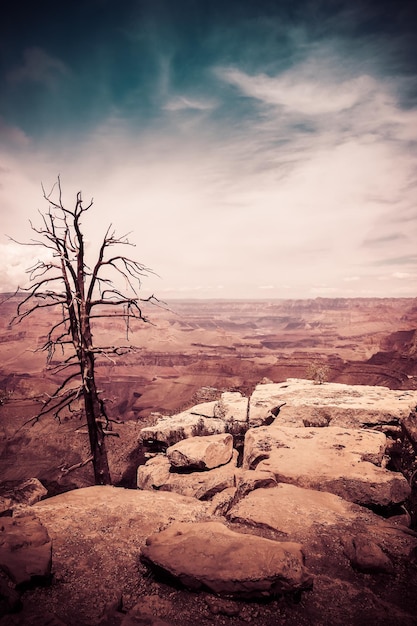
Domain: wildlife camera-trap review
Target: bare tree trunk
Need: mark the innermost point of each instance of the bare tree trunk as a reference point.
(95, 427)
(67, 281)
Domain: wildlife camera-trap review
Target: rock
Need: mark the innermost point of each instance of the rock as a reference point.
(264, 404)
(220, 606)
(169, 430)
(154, 473)
(26, 493)
(245, 481)
(233, 409)
(207, 555)
(25, 549)
(201, 453)
(335, 404)
(222, 501)
(409, 426)
(249, 480)
(339, 460)
(327, 526)
(9, 597)
(97, 533)
(367, 556)
(157, 474)
(227, 415)
(150, 611)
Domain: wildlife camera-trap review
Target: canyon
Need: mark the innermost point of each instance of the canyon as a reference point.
(191, 352)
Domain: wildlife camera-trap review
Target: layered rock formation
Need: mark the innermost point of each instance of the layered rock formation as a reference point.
(298, 519)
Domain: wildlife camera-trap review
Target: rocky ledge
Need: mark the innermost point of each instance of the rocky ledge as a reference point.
(310, 522)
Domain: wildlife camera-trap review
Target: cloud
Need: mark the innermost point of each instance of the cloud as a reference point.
(13, 135)
(402, 260)
(377, 241)
(38, 67)
(308, 96)
(299, 187)
(16, 260)
(402, 275)
(183, 103)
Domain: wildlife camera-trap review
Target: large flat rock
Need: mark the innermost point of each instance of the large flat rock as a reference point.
(97, 533)
(336, 535)
(335, 404)
(343, 461)
(233, 409)
(208, 555)
(229, 414)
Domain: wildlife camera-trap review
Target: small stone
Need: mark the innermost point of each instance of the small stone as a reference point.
(366, 556)
(219, 606)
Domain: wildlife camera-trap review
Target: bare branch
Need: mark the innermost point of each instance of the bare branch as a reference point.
(67, 280)
(66, 470)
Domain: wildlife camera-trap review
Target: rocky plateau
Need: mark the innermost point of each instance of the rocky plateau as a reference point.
(313, 526)
(274, 502)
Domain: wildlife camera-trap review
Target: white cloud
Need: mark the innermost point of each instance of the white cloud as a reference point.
(16, 260)
(183, 103)
(301, 94)
(289, 197)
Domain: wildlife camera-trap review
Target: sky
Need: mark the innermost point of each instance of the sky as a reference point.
(252, 148)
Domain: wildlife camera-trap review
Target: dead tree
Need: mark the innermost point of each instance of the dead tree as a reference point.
(82, 294)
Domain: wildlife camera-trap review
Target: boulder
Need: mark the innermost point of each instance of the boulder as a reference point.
(154, 473)
(13, 496)
(25, 549)
(201, 453)
(208, 555)
(97, 534)
(299, 402)
(329, 528)
(157, 474)
(339, 460)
